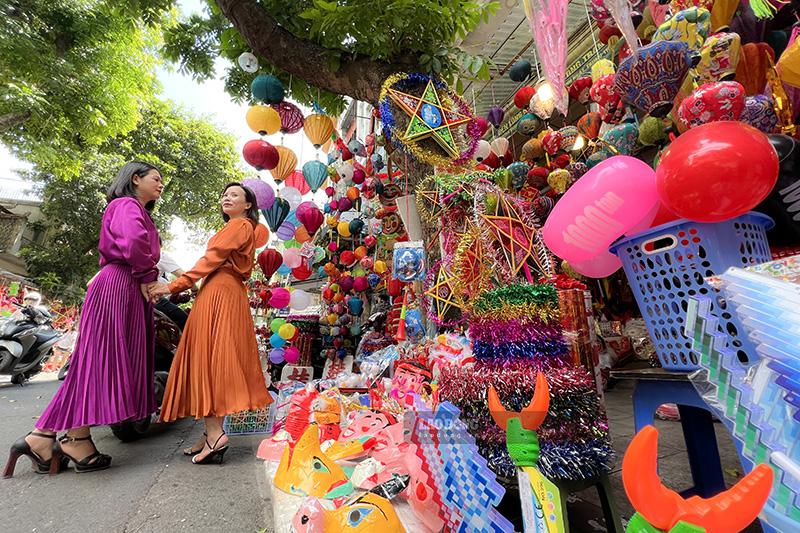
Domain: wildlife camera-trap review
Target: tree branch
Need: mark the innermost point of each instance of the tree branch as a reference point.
(10, 120)
(359, 77)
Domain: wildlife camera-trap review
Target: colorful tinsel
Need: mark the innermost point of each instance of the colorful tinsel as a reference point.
(517, 333)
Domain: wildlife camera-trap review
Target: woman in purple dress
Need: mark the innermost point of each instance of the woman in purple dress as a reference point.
(111, 369)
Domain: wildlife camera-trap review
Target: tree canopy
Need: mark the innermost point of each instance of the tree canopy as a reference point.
(323, 50)
(195, 158)
(74, 73)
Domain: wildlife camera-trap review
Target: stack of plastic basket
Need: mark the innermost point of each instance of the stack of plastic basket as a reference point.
(668, 264)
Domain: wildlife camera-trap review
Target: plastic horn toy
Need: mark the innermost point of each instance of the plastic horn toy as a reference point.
(659, 509)
(540, 498)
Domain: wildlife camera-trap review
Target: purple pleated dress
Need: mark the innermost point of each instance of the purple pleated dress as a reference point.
(110, 376)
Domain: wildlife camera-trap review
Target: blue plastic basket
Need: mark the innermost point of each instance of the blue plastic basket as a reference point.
(667, 264)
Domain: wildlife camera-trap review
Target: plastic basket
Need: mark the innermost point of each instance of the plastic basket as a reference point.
(668, 264)
(252, 422)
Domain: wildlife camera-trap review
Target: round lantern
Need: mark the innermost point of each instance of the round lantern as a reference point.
(380, 267)
(522, 98)
(287, 331)
(261, 154)
(355, 226)
(532, 150)
(290, 115)
(280, 298)
(712, 102)
(299, 299)
(483, 150)
(315, 173)
(265, 196)
(248, 62)
(263, 120)
(520, 70)
(267, 88)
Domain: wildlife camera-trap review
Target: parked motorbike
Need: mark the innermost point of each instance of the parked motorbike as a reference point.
(167, 337)
(27, 338)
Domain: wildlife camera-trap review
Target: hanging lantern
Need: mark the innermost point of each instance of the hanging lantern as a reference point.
(712, 102)
(315, 173)
(500, 146)
(495, 116)
(522, 98)
(269, 260)
(318, 128)
(276, 214)
(248, 62)
(520, 70)
(579, 90)
(291, 117)
(532, 150)
(589, 125)
(543, 102)
(483, 150)
(297, 181)
(263, 120)
(267, 88)
(287, 162)
(260, 154)
(529, 124)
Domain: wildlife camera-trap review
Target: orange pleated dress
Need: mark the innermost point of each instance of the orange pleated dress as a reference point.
(216, 370)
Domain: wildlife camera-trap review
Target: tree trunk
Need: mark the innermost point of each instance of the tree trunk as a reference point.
(359, 77)
(11, 120)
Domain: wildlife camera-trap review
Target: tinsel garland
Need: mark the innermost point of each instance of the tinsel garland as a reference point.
(494, 331)
(496, 300)
(520, 350)
(404, 82)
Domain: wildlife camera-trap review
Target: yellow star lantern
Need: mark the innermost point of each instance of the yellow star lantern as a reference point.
(443, 298)
(514, 235)
(429, 118)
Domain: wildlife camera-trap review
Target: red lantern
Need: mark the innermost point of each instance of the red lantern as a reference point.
(370, 241)
(523, 97)
(269, 260)
(302, 272)
(260, 154)
(347, 258)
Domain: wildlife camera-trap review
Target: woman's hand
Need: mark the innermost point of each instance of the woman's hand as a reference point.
(157, 290)
(145, 288)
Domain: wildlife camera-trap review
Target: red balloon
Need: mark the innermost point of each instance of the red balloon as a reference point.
(260, 154)
(270, 260)
(716, 172)
(663, 216)
(297, 181)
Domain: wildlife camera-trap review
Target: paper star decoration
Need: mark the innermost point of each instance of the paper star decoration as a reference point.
(515, 236)
(429, 118)
(442, 294)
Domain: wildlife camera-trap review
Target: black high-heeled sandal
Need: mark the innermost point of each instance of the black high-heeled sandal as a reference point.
(215, 455)
(20, 448)
(192, 452)
(91, 463)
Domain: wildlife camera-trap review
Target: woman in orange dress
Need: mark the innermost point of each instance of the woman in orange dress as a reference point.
(216, 370)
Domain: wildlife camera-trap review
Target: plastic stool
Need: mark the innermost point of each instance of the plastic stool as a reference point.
(603, 485)
(696, 421)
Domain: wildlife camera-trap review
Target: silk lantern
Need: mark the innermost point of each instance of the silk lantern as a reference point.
(290, 116)
(265, 196)
(712, 102)
(287, 161)
(269, 260)
(495, 116)
(280, 298)
(292, 258)
(267, 88)
(298, 181)
(285, 232)
(291, 195)
(292, 355)
(315, 173)
(263, 120)
(483, 150)
(500, 146)
(299, 299)
(520, 70)
(260, 154)
(276, 213)
(302, 272)
(312, 219)
(318, 128)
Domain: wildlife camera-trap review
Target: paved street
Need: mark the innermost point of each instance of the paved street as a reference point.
(151, 486)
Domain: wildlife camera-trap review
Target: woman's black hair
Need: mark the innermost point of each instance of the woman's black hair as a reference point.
(250, 197)
(123, 184)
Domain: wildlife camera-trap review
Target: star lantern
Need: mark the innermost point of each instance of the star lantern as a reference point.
(429, 118)
(443, 299)
(514, 235)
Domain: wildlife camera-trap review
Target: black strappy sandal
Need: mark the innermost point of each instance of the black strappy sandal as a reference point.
(214, 456)
(20, 448)
(191, 451)
(91, 463)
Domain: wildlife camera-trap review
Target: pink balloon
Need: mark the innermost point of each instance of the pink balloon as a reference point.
(602, 265)
(291, 355)
(280, 298)
(605, 203)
